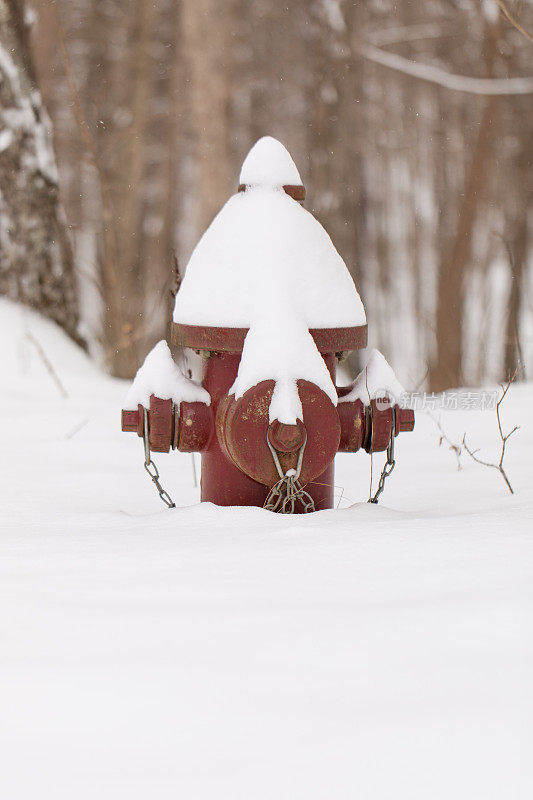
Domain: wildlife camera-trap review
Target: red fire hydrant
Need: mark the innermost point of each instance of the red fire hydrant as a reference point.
(270, 306)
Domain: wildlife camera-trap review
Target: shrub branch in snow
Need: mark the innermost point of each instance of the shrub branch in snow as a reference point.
(456, 449)
(504, 437)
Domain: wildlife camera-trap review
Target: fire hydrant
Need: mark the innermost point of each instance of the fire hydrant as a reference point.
(270, 306)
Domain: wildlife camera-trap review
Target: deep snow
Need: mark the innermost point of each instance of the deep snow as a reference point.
(371, 652)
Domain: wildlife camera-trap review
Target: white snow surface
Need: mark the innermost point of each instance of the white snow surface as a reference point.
(269, 164)
(376, 379)
(365, 652)
(160, 375)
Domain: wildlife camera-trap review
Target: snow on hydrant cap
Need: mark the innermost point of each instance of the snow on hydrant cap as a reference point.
(262, 249)
(269, 163)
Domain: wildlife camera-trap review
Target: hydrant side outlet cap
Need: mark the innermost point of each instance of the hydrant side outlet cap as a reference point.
(269, 164)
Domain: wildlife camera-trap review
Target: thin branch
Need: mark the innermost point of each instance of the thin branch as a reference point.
(340, 497)
(512, 19)
(77, 428)
(407, 33)
(48, 364)
(371, 453)
(504, 437)
(176, 276)
(455, 448)
(459, 83)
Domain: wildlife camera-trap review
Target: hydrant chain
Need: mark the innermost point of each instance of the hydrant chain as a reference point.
(284, 494)
(390, 463)
(149, 465)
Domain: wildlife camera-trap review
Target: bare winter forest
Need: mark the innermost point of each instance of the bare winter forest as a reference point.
(124, 124)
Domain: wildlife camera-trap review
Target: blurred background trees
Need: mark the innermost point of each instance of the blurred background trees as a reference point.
(410, 124)
(36, 264)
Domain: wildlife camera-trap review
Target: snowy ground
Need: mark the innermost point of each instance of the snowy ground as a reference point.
(368, 652)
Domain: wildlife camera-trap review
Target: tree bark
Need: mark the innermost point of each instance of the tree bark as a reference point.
(516, 245)
(446, 370)
(121, 163)
(207, 28)
(36, 264)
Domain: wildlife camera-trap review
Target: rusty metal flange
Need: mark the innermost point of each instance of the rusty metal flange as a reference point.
(231, 340)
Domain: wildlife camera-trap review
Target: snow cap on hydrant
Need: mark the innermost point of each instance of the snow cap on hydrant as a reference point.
(269, 304)
(270, 267)
(269, 163)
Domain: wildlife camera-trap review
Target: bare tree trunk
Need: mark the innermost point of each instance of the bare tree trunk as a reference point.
(36, 265)
(122, 174)
(446, 370)
(207, 28)
(160, 203)
(516, 241)
(335, 131)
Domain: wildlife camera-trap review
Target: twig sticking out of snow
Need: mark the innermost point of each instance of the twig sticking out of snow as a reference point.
(504, 437)
(77, 428)
(48, 364)
(455, 448)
